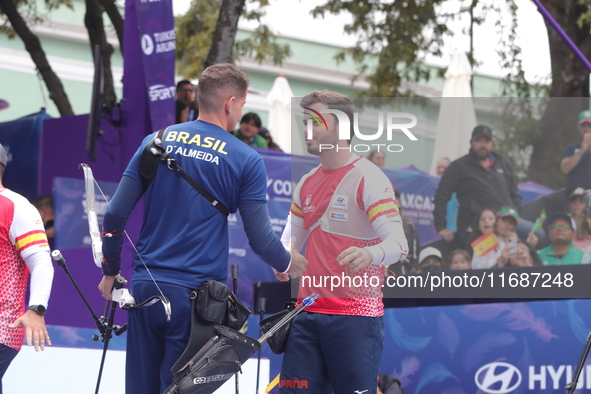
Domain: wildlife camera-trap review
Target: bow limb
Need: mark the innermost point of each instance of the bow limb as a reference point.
(125, 299)
(93, 226)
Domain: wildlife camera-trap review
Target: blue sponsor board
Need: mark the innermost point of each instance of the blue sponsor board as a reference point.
(499, 348)
(21, 140)
(488, 348)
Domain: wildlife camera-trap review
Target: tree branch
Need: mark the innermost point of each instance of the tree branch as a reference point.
(33, 46)
(116, 19)
(96, 33)
(225, 32)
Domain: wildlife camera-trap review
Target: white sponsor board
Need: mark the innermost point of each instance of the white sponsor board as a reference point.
(62, 370)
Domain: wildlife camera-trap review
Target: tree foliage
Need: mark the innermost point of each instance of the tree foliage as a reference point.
(20, 14)
(394, 36)
(195, 33)
(553, 122)
(17, 24)
(397, 34)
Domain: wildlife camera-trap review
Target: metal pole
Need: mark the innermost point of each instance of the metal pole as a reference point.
(235, 286)
(472, 45)
(262, 306)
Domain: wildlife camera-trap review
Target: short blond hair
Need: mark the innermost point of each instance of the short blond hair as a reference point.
(219, 82)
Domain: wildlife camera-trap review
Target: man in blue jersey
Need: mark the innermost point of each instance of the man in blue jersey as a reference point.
(184, 239)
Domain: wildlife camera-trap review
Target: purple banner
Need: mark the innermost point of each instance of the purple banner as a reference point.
(155, 24)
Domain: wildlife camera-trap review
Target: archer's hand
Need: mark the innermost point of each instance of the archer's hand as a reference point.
(281, 277)
(106, 286)
(298, 264)
(35, 332)
(356, 258)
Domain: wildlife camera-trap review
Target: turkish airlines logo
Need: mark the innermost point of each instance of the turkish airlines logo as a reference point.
(147, 45)
(497, 378)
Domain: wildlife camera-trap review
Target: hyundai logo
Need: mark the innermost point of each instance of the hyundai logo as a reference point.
(497, 378)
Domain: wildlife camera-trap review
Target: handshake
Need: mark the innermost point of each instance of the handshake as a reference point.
(297, 266)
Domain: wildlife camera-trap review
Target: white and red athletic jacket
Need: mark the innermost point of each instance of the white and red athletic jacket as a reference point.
(335, 209)
(23, 247)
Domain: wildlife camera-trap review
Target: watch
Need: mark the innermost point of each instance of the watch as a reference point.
(40, 309)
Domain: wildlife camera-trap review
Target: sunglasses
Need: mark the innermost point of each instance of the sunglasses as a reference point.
(558, 226)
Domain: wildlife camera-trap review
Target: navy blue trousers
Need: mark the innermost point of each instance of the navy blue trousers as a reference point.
(332, 353)
(154, 344)
(7, 354)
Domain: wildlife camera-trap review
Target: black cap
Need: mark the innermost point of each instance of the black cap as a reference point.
(480, 131)
(263, 132)
(557, 216)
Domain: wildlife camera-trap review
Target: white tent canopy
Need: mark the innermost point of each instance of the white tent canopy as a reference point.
(457, 117)
(279, 123)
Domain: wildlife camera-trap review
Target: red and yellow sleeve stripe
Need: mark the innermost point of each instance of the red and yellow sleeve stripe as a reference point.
(31, 238)
(296, 210)
(382, 207)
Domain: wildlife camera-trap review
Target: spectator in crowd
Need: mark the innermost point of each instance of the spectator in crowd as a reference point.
(459, 259)
(264, 132)
(577, 207)
(412, 238)
(250, 125)
(580, 220)
(186, 110)
(504, 229)
(485, 223)
(377, 157)
(576, 159)
(442, 165)
(526, 256)
(561, 249)
(582, 238)
(430, 259)
(44, 205)
(482, 178)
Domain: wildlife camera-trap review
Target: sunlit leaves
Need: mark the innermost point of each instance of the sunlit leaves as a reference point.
(194, 32)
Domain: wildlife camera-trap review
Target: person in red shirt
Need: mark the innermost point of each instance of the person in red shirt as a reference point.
(23, 248)
(346, 211)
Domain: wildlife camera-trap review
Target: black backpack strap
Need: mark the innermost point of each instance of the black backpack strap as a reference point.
(156, 150)
(174, 166)
(150, 158)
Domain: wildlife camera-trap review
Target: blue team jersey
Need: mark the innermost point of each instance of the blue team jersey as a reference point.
(184, 240)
